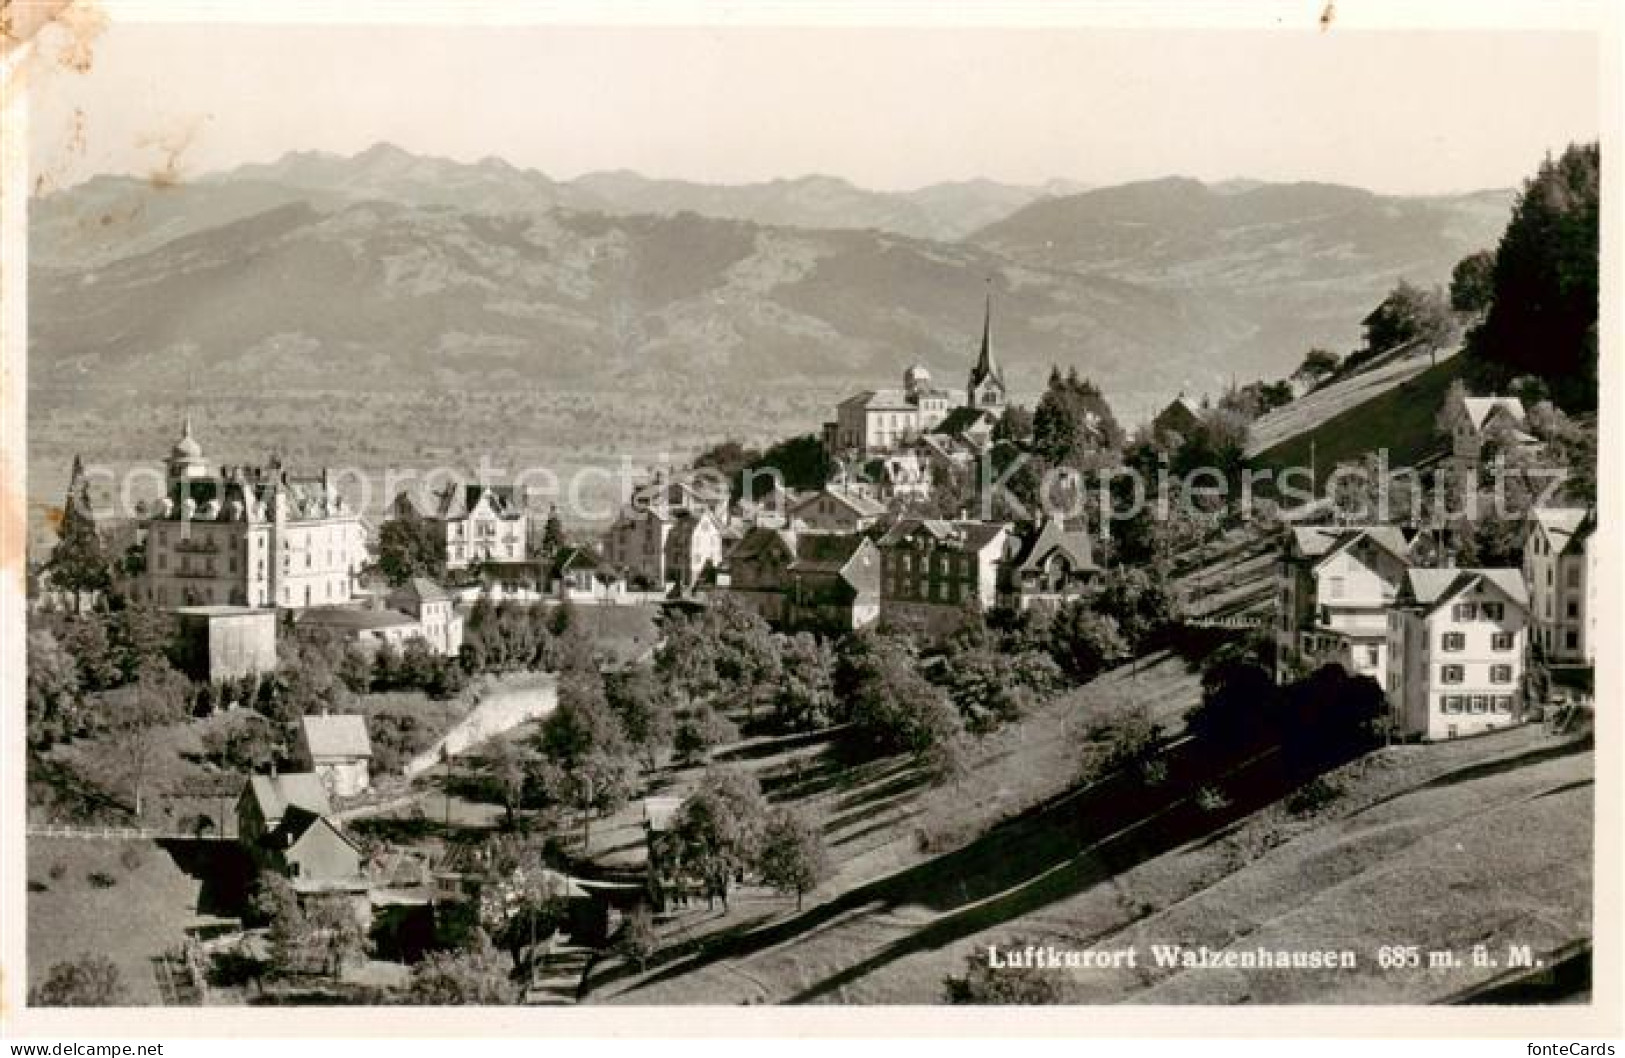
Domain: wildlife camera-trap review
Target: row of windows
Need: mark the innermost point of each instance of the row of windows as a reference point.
(1458, 673)
(1476, 703)
(1454, 641)
(1471, 611)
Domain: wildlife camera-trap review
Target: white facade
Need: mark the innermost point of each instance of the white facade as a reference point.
(1457, 642)
(1560, 567)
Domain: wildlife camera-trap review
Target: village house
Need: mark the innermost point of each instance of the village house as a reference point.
(835, 510)
(248, 536)
(670, 493)
(439, 623)
(1560, 568)
(880, 420)
(758, 571)
(1472, 421)
(1456, 642)
(336, 748)
(655, 547)
(1048, 565)
(1180, 419)
(1334, 587)
(265, 799)
(216, 643)
(369, 627)
(795, 581)
(834, 583)
(933, 571)
(474, 523)
(580, 575)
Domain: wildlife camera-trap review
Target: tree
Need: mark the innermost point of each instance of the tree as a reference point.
(1123, 737)
(699, 732)
(1240, 703)
(1410, 313)
(1317, 365)
(248, 744)
(1542, 319)
(409, 546)
(85, 981)
(140, 636)
(1085, 642)
(645, 712)
(1142, 601)
(1015, 426)
(805, 697)
(1072, 420)
(638, 940)
(508, 768)
(77, 563)
(552, 532)
(1472, 282)
(985, 984)
(719, 829)
(475, 976)
(792, 857)
(587, 762)
(890, 706)
(134, 714)
(52, 691)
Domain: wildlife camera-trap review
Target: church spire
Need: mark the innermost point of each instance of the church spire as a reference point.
(986, 366)
(986, 389)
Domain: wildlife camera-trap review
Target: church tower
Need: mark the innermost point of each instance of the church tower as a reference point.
(986, 387)
(186, 458)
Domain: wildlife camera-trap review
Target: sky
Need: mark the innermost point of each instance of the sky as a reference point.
(1398, 112)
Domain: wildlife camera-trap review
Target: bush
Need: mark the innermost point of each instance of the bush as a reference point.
(57, 872)
(131, 858)
(1124, 738)
(1006, 985)
(1313, 796)
(101, 879)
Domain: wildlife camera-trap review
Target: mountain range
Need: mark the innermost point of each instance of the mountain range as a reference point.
(391, 269)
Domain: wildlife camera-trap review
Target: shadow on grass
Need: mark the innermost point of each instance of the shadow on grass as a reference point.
(224, 870)
(1050, 852)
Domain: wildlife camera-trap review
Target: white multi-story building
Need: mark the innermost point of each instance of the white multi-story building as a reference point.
(249, 536)
(1560, 567)
(1335, 585)
(1456, 645)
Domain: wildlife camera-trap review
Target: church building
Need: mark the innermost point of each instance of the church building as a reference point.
(877, 421)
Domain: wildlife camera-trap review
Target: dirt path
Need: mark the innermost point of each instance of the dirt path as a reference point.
(501, 709)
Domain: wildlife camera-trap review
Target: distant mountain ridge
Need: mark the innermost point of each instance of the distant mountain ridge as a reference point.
(388, 268)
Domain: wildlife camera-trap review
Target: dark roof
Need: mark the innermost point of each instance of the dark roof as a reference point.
(986, 365)
(570, 558)
(275, 793)
(961, 419)
(1053, 537)
(346, 617)
(421, 589)
(826, 552)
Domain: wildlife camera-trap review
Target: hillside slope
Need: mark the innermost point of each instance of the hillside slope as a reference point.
(1433, 820)
(1401, 419)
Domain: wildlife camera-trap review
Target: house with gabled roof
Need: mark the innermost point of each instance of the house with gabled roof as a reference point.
(835, 510)
(1457, 640)
(435, 612)
(1560, 567)
(1181, 418)
(834, 584)
(1334, 586)
(1472, 421)
(473, 523)
(934, 571)
(758, 571)
(1048, 565)
(337, 749)
(265, 800)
